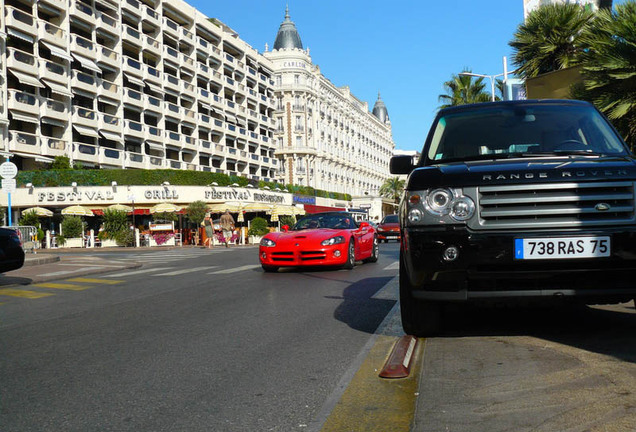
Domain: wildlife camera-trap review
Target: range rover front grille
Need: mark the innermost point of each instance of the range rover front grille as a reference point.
(555, 205)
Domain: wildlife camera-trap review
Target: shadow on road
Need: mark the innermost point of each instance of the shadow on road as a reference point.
(609, 330)
(359, 310)
(9, 280)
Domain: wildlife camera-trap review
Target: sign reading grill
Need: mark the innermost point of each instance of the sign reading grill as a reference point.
(562, 247)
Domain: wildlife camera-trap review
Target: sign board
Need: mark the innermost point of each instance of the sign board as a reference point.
(8, 170)
(8, 185)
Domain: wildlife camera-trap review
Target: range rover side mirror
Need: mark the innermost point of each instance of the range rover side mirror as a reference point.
(401, 164)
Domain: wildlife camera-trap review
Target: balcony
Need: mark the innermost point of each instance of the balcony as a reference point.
(187, 35)
(24, 142)
(131, 36)
(153, 134)
(131, 6)
(108, 89)
(187, 63)
(21, 101)
(83, 47)
(217, 77)
(52, 71)
(134, 160)
(83, 12)
(151, 45)
(108, 23)
(21, 61)
(173, 139)
(134, 129)
(110, 123)
(188, 89)
(174, 164)
(108, 57)
(204, 95)
(20, 21)
(170, 27)
(205, 121)
(85, 153)
(171, 82)
(54, 109)
(48, 32)
(54, 146)
(189, 116)
(133, 67)
(174, 111)
(84, 117)
(151, 74)
(172, 55)
(58, 4)
(109, 156)
(132, 97)
(152, 103)
(150, 16)
(217, 101)
(190, 143)
(157, 162)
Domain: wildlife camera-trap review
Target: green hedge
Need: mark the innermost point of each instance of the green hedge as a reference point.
(92, 177)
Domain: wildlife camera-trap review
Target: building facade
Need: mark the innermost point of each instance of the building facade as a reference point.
(144, 84)
(325, 137)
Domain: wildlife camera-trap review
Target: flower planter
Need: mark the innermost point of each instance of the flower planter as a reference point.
(109, 243)
(255, 239)
(74, 242)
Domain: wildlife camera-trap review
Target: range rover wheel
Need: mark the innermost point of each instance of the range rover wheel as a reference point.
(269, 268)
(421, 318)
(375, 252)
(351, 256)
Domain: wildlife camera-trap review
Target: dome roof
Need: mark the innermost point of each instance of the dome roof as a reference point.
(380, 111)
(287, 36)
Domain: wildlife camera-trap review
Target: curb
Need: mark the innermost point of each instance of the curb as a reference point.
(31, 261)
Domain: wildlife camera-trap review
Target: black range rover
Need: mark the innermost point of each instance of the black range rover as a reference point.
(511, 200)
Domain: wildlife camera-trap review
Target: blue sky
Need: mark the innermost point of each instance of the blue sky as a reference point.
(403, 49)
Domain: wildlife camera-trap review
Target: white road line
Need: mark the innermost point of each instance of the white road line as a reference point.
(136, 272)
(190, 270)
(94, 265)
(393, 266)
(60, 273)
(236, 269)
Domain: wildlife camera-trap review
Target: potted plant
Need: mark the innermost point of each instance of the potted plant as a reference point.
(72, 230)
(258, 228)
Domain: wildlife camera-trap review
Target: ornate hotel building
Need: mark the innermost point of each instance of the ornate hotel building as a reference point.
(133, 84)
(325, 137)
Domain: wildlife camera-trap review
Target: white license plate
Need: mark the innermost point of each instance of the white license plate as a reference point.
(562, 247)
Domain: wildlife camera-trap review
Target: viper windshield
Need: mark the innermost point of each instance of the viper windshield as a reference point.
(326, 220)
(505, 131)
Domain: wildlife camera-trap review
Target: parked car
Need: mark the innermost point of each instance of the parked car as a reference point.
(389, 228)
(320, 239)
(516, 200)
(11, 252)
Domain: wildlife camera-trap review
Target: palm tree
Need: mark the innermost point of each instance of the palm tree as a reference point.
(609, 68)
(463, 89)
(392, 188)
(550, 39)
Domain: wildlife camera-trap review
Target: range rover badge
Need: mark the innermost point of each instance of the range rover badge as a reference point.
(602, 207)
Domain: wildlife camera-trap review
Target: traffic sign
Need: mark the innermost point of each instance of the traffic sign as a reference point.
(8, 185)
(8, 170)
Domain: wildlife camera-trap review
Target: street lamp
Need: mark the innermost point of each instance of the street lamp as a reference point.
(492, 80)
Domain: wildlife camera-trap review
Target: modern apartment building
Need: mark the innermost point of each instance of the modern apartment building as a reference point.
(133, 84)
(326, 137)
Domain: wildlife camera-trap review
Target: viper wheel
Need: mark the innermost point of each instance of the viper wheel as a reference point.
(375, 252)
(269, 268)
(351, 256)
(421, 318)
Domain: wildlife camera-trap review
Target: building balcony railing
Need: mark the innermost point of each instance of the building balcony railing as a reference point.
(190, 116)
(83, 46)
(82, 11)
(22, 101)
(109, 156)
(134, 160)
(54, 109)
(133, 129)
(171, 82)
(151, 45)
(83, 81)
(132, 6)
(20, 21)
(108, 23)
(85, 152)
(170, 27)
(152, 103)
(156, 162)
(85, 117)
(153, 133)
(131, 36)
(54, 146)
(174, 139)
(24, 142)
(51, 33)
(173, 110)
(53, 71)
(152, 74)
(108, 57)
(58, 4)
(21, 61)
(150, 16)
(132, 66)
(110, 123)
(132, 97)
(108, 89)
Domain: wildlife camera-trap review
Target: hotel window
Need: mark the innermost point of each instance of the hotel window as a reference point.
(296, 79)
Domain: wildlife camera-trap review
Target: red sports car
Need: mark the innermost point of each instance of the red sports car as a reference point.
(389, 228)
(320, 239)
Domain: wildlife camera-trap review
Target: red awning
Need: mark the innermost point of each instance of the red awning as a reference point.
(138, 211)
(317, 209)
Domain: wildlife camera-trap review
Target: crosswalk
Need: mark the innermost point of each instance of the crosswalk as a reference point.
(46, 289)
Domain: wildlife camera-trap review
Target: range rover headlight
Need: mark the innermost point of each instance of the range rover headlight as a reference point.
(462, 208)
(438, 202)
(415, 215)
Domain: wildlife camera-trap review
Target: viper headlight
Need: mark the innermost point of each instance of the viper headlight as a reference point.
(268, 242)
(333, 241)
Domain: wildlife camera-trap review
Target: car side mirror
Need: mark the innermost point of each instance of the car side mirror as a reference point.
(402, 164)
(285, 228)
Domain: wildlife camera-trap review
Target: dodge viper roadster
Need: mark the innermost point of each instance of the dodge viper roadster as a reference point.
(320, 239)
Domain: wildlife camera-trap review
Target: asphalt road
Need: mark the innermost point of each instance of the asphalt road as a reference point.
(194, 340)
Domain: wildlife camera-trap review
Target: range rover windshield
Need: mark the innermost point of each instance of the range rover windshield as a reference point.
(508, 131)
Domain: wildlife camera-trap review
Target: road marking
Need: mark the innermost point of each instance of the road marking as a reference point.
(92, 265)
(373, 404)
(23, 293)
(136, 272)
(97, 281)
(236, 269)
(393, 266)
(60, 273)
(63, 286)
(189, 270)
